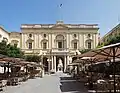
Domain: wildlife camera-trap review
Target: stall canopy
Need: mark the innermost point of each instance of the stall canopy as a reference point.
(110, 52)
(104, 53)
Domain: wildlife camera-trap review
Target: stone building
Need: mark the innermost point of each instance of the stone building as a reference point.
(112, 33)
(55, 42)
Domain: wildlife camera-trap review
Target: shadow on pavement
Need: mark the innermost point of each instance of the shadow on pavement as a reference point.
(68, 84)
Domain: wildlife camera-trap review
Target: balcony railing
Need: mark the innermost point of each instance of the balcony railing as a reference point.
(60, 50)
(48, 50)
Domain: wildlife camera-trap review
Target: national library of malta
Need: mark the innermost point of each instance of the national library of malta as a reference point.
(55, 43)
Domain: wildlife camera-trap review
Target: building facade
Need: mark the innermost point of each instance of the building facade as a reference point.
(55, 43)
(112, 33)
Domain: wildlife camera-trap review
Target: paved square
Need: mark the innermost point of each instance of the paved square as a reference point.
(57, 83)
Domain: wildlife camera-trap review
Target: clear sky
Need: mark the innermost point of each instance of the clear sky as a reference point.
(105, 13)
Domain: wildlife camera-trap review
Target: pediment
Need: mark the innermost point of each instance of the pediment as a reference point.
(59, 26)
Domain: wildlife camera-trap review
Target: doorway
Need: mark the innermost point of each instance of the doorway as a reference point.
(45, 63)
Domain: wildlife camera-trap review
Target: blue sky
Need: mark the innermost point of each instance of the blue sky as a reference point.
(105, 13)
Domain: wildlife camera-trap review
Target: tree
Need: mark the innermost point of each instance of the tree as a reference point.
(33, 58)
(10, 50)
(84, 51)
(3, 47)
(100, 45)
(13, 51)
(113, 40)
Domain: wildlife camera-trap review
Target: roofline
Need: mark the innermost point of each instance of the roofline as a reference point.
(49, 26)
(62, 24)
(15, 32)
(4, 29)
(111, 31)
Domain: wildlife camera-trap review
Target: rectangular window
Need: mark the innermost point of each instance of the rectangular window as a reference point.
(75, 45)
(44, 45)
(89, 45)
(30, 46)
(59, 44)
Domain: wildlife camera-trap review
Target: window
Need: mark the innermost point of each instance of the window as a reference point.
(15, 45)
(5, 39)
(75, 45)
(30, 35)
(75, 35)
(30, 45)
(44, 45)
(44, 35)
(89, 35)
(89, 45)
(59, 44)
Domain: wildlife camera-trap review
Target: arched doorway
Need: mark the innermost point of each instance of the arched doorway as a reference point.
(45, 63)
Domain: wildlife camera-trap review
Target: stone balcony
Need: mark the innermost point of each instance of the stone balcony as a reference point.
(47, 51)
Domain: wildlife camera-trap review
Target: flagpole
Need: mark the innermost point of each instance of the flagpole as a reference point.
(60, 11)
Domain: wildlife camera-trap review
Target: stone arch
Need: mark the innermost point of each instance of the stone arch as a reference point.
(59, 37)
(29, 43)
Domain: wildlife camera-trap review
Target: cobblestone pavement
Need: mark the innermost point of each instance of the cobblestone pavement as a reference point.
(57, 83)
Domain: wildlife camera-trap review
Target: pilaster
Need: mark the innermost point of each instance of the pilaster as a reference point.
(55, 63)
(64, 63)
(52, 63)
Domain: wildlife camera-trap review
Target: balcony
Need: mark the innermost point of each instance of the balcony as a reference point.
(34, 51)
(65, 50)
(53, 50)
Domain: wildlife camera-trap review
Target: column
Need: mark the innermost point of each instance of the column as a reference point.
(67, 41)
(93, 45)
(78, 41)
(52, 63)
(67, 60)
(83, 41)
(64, 63)
(55, 63)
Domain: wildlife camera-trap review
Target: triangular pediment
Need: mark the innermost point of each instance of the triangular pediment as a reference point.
(59, 26)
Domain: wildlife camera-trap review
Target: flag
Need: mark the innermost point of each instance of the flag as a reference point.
(60, 5)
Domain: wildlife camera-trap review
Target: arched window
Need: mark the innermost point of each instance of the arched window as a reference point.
(89, 35)
(14, 42)
(75, 35)
(44, 35)
(5, 39)
(29, 43)
(60, 41)
(89, 43)
(30, 35)
(75, 43)
(44, 43)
